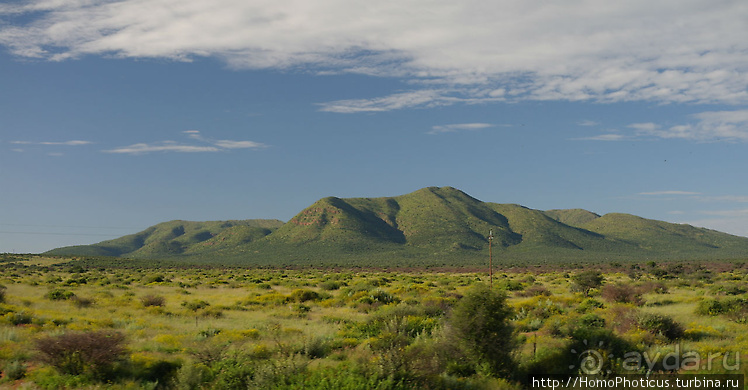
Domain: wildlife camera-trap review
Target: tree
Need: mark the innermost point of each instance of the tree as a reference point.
(480, 322)
(586, 281)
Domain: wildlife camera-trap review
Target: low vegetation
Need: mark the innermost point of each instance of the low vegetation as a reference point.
(72, 323)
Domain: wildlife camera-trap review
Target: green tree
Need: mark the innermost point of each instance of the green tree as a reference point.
(480, 322)
(586, 281)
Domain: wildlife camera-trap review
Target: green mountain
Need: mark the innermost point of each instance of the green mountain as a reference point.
(431, 226)
(177, 238)
(572, 217)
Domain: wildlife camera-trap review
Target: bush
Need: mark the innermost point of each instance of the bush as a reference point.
(79, 353)
(585, 281)
(330, 285)
(303, 295)
(19, 318)
(480, 322)
(59, 294)
(595, 351)
(589, 304)
(660, 324)
(14, 370)
(735, 308)
(622, 293)
(82, 302)
(153, 301)
(2, 293)
(534, 291)
(158, 278)
(592, 321)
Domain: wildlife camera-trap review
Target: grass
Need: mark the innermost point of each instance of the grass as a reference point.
(325, 323)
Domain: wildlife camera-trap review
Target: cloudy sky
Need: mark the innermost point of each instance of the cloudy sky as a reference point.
(117, 115)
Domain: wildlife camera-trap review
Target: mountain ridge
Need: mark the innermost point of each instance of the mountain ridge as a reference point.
(433, 225)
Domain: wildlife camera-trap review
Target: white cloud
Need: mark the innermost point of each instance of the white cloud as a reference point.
(67, 143)
(208, 145)
(164, 146)
(64, 143)
(658, 193)
(603, 137)
(726, 213)
(706, 126)
(635, 50)
(725, 198)
(587, 122)
(228, 144)
(411, 99)
(736, 224)
(460, 127)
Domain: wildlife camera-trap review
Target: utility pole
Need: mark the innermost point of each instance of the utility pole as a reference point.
(490, 259)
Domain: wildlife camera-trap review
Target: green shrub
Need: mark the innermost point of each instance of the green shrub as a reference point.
(14, 370)
(195, 305)
(383, 297)
(303, 295)
(2, 293)
(330, 285)
(710, 307)
(589, 304)
(192, 376)
(19, 318)
(157, 278)
(734, 308)
(660, 324)
(233, 373)
(59, 294)
(592, 321)
(480, 322)
(585, 281)
(152, 369)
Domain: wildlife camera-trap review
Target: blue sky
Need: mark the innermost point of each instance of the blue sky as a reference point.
(115, 116)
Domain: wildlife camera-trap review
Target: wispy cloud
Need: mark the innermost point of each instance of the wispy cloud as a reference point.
(165, 146)
(729, 221)
(64, 143)
(460, 127)
(603, 137)
(588, 123)
(207, 145)
(481, 51)
(724, 198)
(725, 213)
(228, 144)
(659, 193)
(706, 126)
(401, 100)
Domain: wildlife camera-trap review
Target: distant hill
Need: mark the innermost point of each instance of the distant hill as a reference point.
(177, 238)
(431, 226)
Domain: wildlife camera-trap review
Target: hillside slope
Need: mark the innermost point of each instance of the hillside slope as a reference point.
(177, 238)
(431, 226)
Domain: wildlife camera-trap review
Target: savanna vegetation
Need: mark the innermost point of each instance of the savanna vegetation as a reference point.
(67, 323)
